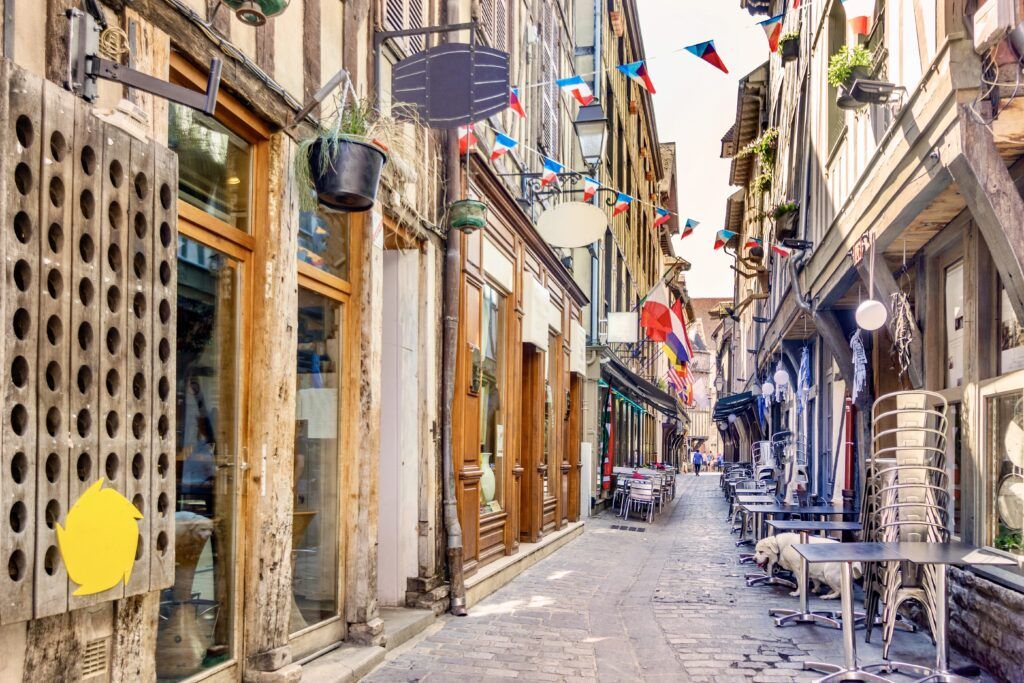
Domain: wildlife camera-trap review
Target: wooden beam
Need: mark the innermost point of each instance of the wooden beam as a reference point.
(835, 339)
(995, 203)
(885, 287)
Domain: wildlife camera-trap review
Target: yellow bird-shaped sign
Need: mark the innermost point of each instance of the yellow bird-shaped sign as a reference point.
(99, 543)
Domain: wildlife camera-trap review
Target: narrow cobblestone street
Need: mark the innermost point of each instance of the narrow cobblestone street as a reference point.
(659, 602)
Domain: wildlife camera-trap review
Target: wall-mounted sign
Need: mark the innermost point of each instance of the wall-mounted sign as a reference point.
(572, 224)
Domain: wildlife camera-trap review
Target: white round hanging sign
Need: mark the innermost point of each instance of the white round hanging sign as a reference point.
(572, 224)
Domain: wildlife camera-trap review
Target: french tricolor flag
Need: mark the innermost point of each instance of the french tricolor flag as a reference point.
(502, 145)
(551, 170)
(752, 242)
(637, 71)
(622, 203)
(515, 102)
(781, 251)
(773, 30)
(859, 14)
(578, 88)
(722, 237)
(663, 217)
(467, 139)
(688, 227)
(590, 188)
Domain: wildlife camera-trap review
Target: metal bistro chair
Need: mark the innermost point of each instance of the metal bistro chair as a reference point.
(641, 496)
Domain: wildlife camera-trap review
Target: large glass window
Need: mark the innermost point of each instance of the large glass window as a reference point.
(324, 241)
(492, 428)
(954, 290)
(316, 480)
(1005, 418)
(195, 627)
(214, 165)
(1011, 336)
(551, 415)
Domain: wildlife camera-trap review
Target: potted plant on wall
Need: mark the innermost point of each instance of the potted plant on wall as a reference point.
(341, 166)
(846, 67)
(789, 46)
(467, 215)
(785, 215)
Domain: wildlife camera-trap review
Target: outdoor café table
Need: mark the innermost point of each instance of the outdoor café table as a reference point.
(759, 511)
(829, 618)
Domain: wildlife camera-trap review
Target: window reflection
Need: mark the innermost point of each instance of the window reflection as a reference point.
(955, 325)
(550, 412)
(315, 517)
(324, 241)
(1006, 452)
(196, 612)
(492, 430)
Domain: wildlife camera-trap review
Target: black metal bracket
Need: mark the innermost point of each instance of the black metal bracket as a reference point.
(533, 190)
(86, 67)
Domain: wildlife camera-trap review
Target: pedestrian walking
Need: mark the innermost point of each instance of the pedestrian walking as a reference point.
(698, 460)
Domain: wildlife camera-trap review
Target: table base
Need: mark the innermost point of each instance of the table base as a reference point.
(827, 618)
(746, 558)
(765, 580)
(838, 673)
(926, 674)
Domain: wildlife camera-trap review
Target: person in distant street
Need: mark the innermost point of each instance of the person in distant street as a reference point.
(698, 460)
(721, 463)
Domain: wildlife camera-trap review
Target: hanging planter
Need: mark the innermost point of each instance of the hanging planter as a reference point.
(845, 68)
(256, 12)
(789, 47)
(785, 216)
(467, 215)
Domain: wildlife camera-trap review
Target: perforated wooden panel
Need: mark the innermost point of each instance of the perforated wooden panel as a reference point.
(88, 304)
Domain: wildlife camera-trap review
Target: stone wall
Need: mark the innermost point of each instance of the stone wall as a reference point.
(986, 621)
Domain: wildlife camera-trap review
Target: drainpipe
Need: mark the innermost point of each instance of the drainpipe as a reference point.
(595, 266)
(449, 349)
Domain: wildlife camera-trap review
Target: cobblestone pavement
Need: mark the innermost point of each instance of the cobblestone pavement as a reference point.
(668, 603)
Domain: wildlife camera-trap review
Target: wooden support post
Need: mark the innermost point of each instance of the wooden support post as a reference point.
(885, 287)
(995, 203)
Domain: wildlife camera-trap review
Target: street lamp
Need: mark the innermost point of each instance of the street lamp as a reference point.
(592, 129)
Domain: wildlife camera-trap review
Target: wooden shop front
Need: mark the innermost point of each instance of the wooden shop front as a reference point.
(518, 396)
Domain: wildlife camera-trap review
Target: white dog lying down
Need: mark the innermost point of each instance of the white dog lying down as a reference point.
(779, 548)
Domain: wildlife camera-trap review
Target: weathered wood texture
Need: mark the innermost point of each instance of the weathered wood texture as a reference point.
(885, 287)
(134, 639)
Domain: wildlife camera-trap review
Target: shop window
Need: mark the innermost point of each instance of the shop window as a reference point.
(492, 429)
(1011, 336)
(195, 626)
(1004, 415)
(956, 417)
(324, 239)
(315, 556)
(550, 418)
(214, 166)
(954, 322)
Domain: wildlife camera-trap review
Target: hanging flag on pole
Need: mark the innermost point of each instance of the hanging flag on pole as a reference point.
(708, 53)
(622, 203)
(722, 237)
(515, 102)
(578, 88)
(637, 71)
(773, 30)
(656, 313)
(688, 227)
(781, 251)
(664, 216)
(590, 188)
(551, 170)
(467, 139)
(502, 145)
(859, 14)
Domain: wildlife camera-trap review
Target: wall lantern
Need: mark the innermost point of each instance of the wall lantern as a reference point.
(767, 389)
(592, 129)
(256, 12)
(732, 419)
(871, 314)
(781, 376)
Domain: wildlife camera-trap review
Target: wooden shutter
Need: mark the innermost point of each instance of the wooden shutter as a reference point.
(400, 15)
(549, 91)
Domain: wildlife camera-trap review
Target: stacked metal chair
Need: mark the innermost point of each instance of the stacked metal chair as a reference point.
(906, 498)
(791, 464)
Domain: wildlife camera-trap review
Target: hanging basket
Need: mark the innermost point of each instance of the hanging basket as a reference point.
(348, 179)
(845, 99)
(790, 50)
(467, 215)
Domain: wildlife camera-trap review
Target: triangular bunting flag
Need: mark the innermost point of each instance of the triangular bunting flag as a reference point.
(502, 144)
(752, 242)
(664, 216)
(688, 227)
(515, 102)
(723, 237)
(708, 53)
(551, 170)
(578, 88)
(590, 188)
(859, 14)
(622, 203)
(637, 71)
(467, 139)
(781, 251)
(773, 30)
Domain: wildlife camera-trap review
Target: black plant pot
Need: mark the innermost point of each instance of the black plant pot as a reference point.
(349, 179)
(790, 50)
(785, 225)
(846, 100)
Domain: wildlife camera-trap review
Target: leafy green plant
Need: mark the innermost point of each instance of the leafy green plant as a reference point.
(763, 183)
(1010, 541)
(786, 37)
(842, 63)
(763, 148)
(784, 209)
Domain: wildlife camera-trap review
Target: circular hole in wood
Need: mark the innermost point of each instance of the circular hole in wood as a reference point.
(139, 305)
(85, 336)
(165, 273)
(54, 284)
(21, 323)
(16, 565)
(25, 131)
(84, 378)
(116, 216)
(51, 559)
(138, 385)
(86, 248)
(141, 227)
(19, 371)
(165, 311)
(164, 350)
(53, 375)
(163, 387)
(22, 275)
(139, 265)
(141, 185)
(165, 235)
(52, 513)
(162, 464)
(165, 196)
(161, 504)
(85, 291)
(22, 227)
(139, 502)
(114, 258)
(113, 424)
(114, 299)
(113, 463)
(138, 425)
(54, 330)
(55, 237)
(23, 178)
(139, 344)
(87, 204)
(138, 466)
(19, 515)
(113, 382)
(113, 341)
(139, 545)
(83, 422)
(56, 191)
(88, 160)
(19, 468)
(19, 419)
(52, 420)
(84, 466)
(161, 542)
(162, 426)
(52, 468)
(116, 173)
(58, 146)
